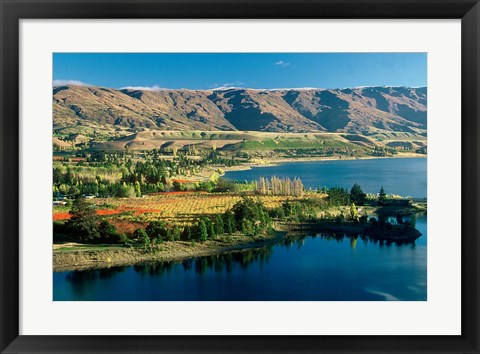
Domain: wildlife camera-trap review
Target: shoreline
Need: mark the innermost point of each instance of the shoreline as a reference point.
(77, 260)
(105, 256)
(313, 159)
(276, 162)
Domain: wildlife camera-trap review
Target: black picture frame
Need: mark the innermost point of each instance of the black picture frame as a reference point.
(13, 10)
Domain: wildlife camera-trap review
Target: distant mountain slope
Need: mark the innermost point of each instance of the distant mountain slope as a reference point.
(366, 110)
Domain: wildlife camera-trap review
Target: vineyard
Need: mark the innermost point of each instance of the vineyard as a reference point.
(175, 207)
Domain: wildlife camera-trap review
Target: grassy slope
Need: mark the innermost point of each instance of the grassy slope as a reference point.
(251, 140)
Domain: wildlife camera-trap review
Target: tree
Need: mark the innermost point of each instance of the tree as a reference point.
(247, 228)
(229, 222)
(125, 191)
(338, 196)
(248, 209)
(169, 235)
(142, 235)
(251, 216)
(83, 221)
(211, 230)
(399, 219)
(108, 232)
(156, 231)
(187, 232)
(219, 227)
(413, 221)
(382, 196)
(202, 229)
(74, 191)
(176, 232)
(280, 186)
(139, 234)
(356, 195)
(353, 212)
(138, 190)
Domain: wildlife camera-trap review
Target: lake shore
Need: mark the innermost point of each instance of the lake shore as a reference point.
(74, 256)
(83, 257)
(343, 158)
(268, 162)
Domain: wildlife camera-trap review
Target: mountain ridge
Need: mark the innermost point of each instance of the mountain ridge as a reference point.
(361, 110)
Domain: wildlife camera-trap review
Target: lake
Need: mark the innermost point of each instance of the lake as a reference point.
(321, 267)
(402, 176)
(317, 267)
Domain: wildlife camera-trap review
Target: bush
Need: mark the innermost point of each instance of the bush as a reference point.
(339, 218)
(206, 186)
(225, 185)
(140, 234)
(179, 187)
(125, 191)
(363, 219)
(123, 238)
(277, 213)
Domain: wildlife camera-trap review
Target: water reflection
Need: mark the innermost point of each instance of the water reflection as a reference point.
(226, 262)
(218, 263)
(299, 241)
(153, 268)
(81, 280)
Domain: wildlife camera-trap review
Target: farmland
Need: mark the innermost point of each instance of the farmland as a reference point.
(173, 207)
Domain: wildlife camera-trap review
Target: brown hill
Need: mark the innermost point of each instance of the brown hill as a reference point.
(359, 110)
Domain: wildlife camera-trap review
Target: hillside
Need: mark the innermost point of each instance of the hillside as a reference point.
(367, 111)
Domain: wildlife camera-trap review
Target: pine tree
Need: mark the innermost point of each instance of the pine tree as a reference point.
(356, 195)
(382, 196)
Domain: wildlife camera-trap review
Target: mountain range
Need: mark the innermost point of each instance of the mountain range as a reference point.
(364, 110)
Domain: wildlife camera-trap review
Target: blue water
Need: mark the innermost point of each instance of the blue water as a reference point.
(406, 177)
(314, 267)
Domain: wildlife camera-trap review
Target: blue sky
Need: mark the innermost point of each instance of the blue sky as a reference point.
(252, 70)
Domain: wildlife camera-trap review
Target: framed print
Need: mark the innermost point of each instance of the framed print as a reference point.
(239, 177)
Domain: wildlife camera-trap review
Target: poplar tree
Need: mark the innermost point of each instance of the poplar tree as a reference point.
(202, 229)
(353, 212)
(220, 230)
(229, 222)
